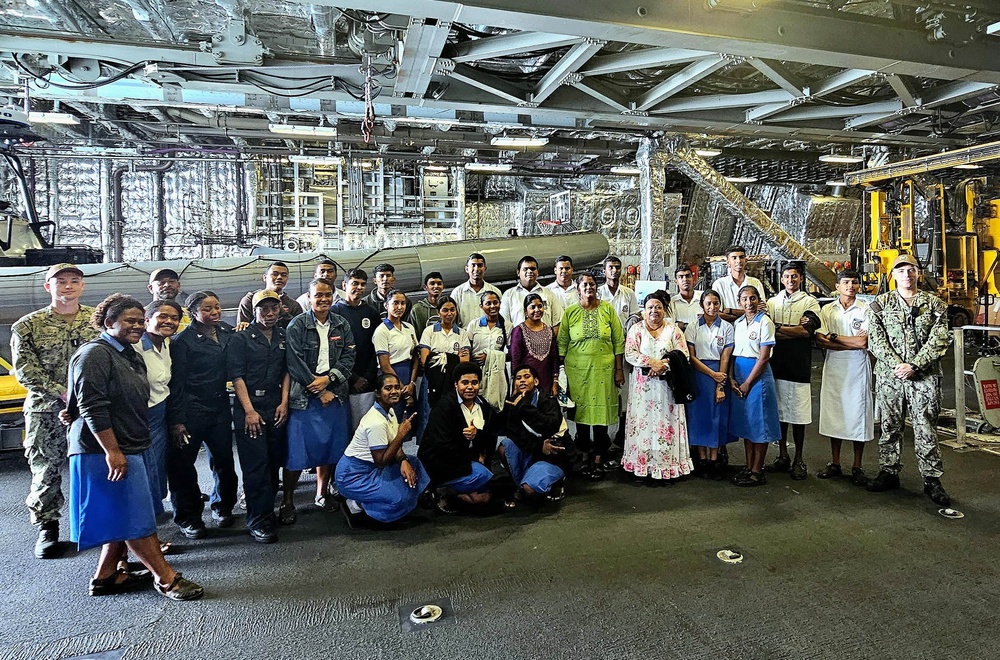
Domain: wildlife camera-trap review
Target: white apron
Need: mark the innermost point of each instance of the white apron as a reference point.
(846, 410)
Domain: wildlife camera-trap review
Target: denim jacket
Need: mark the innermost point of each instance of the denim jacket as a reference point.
(303, 352)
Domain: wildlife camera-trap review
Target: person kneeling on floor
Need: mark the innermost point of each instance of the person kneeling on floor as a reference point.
(458, 444)
(375, 476)
(537, 450)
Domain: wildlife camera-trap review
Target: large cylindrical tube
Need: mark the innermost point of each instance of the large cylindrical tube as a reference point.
(233, 277)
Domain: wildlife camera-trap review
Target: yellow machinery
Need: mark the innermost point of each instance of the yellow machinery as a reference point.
(953, 232)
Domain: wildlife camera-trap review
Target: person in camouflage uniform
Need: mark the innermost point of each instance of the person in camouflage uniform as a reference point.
(41, 344)
(908, 335)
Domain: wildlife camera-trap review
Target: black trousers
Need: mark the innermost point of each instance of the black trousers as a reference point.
(216, 432)
(260, 460)
(594, 439)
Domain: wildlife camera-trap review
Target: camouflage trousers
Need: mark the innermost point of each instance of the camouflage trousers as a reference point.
(894, 398)
(45, 449)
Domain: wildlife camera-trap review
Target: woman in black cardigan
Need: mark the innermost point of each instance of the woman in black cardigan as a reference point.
(458, 443)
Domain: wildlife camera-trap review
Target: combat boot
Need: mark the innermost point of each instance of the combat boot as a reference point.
(882, 482)
(934, 490)
(47, 545)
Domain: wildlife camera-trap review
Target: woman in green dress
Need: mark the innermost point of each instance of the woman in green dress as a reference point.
(591, 346)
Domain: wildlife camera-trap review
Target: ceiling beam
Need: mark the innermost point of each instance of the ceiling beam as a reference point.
(242, 97)
(720, 101)
(813, 112)
(904, 89)
(781, 32)
(483, 81)
(569, 63)
(778, 74)
(681, 80)
(597, 90)
(508, 44)
(643, 58)
(931, 98)
(422, 45)
(834, 83)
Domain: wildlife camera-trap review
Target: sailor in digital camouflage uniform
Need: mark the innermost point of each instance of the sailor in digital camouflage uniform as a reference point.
(908, 335)
(41, 344)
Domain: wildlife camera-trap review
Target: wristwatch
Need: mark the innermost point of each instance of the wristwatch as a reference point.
(833, 336)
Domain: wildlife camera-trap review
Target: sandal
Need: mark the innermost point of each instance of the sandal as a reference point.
(286, 513)
(180, 588)
(514, 500)
(557, 493)
(111, 585)
(446, 507)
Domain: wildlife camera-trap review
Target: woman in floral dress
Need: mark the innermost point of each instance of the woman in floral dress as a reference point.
(656, 434)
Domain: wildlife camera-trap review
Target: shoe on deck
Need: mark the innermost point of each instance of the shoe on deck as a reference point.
(799, 471)
(882, 482)
(934, 490)
(192, 530)
(831, 470)
(47, 546)
(858, 477)
(780, 464)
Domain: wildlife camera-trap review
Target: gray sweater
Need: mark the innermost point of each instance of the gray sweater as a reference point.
(107, 390)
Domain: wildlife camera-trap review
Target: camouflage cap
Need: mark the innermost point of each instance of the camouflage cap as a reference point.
(61, 268)
(264, 294)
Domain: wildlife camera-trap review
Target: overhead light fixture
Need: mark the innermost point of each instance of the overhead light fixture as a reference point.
(741, 179)
(968, 166)
(53, 118)
(625, 170)
(436, 168)
(489, 167)
(315, 160)
(504, 141)
(301, 130)
(708, 152)
(843, 159)
(835, 184)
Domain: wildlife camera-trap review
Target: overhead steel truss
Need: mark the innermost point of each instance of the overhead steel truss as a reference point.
(683, 45)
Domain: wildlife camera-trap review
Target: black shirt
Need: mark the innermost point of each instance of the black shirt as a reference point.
(198, 375)
(107, 390)
(260, 363)
(363, 321)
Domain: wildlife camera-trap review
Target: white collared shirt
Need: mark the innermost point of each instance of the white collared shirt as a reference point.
(436, 340)
(473, 417)
(323, 361)
(484, 338)
(376, 430)
(157, 368)
(397, 343)
(709, 341)
(788, 309)
(467, 299)
(624, 300)
(729, 290)
(512, 305)
(751, 335)
(849, 322)
(682, 311)
(567, 297)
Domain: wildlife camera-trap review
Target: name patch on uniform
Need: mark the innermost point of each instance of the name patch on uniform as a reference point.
(366, 323)
(259, 392)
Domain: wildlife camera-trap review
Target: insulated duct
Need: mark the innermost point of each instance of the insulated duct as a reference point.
(683, 157)
(118, 213)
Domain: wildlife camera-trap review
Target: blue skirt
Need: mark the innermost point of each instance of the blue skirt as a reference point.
(754, 418)
(708, 422)
(102, 511)
(381, 492)
(473, 482)
(404, 370)
(155, 457)
(540, 476)
(317, 435)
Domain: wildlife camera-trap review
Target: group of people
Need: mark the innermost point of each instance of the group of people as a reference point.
(339, 382)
